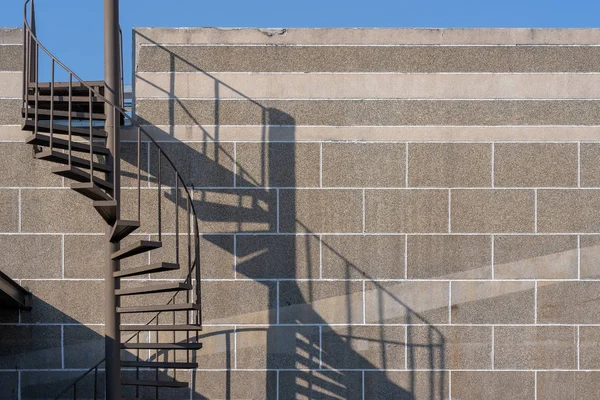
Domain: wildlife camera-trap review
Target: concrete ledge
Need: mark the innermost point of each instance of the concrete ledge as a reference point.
(11, 36)
(256, 133)
(361, 86)
(366, 36)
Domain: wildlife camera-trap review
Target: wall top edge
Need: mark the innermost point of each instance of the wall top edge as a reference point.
(433, 36)
(11, 35)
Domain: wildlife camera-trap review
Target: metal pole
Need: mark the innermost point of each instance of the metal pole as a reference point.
(112, 81)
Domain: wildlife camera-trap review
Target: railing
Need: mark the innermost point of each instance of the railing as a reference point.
(31, 107)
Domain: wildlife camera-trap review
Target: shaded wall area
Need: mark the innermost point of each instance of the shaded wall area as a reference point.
(385, 215)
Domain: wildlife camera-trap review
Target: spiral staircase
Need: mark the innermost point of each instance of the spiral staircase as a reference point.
(67, 121)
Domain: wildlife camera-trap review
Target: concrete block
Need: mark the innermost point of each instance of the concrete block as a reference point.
(568, 210)
(535, 257)
(320, 211)
(360, 256)
(364, 164)
(449, 164)
(278, 256)
(30, 256)
(406, 211)
(320, 302)
(406, 302)
(539, 347)
(489, 302)
(278, 164)
(492, 210)
(447, 257)
(535, 164)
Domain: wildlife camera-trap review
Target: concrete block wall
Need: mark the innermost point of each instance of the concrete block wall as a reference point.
(386, 214)
(414, 213)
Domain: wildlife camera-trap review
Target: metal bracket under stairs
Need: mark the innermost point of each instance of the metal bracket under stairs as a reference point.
(13, 295)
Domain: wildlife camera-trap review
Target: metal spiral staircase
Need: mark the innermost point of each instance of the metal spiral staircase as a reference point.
(67, 121)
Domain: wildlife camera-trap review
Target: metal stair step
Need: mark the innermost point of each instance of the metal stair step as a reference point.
(136, 328)
(158, 364)
(156, 288)
(136, 382)
(58, 86)
(79, 175)
(146, 269)
(64, 97)
(63, 158)
(162, 307)
(107, 210)
(138, 247)
(122, 228)
(61, 129)
(43, 140)
(60, 114)
(162, 346)
(90, 190)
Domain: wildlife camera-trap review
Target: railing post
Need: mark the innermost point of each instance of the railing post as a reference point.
(112, 81)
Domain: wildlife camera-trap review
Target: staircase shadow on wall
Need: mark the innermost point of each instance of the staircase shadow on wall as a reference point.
(310, 369)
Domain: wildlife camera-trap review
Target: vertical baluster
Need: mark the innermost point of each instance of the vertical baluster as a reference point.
(91, 122)
(96, 383)
(37, 89)
(137, 370)
(159, 194)
(197, 260)
(176, 218)
(189, 247)
(70, 112)
(75, 392)
(51, 103)
(25, 83)
(139, 164)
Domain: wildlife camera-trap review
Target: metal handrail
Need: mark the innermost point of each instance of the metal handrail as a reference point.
(31, 61)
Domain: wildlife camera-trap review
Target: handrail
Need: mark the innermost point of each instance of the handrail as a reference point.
(31, 61)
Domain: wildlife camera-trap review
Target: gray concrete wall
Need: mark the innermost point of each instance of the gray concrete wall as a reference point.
(427, 204)
(386, 213)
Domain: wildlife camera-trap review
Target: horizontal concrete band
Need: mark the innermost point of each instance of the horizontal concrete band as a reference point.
(365, 36)
(370, 86)
(243, 58)
(368, 133)
(11, 57)
(189, 133)
(368, 112)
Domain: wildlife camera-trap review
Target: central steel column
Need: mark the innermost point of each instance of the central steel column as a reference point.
(112, 81)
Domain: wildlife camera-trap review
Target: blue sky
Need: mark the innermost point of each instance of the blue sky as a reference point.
(78, 42)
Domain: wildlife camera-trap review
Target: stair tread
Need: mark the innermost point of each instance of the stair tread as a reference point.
(162, 346)
(159, 364)
(107, 209)
(154, 288)
(90, 190)
(30, 112)
(140, 246)
(147, 269)
(79, 175)
(138, 382)
(136, 328)
(43, 140)
(161, 307)
(61, 129)
(63, 158)
(122, 228)
(74, 85)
